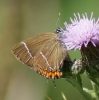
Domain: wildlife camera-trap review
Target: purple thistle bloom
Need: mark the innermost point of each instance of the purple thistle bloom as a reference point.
(83, 34)
(80, 32)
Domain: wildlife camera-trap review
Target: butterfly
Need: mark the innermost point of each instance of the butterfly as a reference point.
(45, 53)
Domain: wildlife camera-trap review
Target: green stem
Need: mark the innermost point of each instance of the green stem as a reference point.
(94, 79)
(95, 88)
(78, 87)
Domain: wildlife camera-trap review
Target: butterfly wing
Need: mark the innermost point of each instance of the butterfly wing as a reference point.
(28, 49)
(44, 53)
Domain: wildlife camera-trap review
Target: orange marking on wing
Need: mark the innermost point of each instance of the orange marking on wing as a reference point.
(50, 73)
(53, 75)
(61, 74)
(47, 75)
(40, 70)
(44, 73)
(57, 73)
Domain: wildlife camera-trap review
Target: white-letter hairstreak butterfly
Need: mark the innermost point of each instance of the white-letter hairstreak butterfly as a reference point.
(45, 53)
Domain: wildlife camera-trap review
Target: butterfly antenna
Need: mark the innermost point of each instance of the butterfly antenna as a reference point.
(57, 20)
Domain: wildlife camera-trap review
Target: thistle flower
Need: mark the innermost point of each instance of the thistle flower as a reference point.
(83, 34)
(81, 31)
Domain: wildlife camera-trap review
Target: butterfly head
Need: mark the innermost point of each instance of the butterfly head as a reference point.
(59, 30)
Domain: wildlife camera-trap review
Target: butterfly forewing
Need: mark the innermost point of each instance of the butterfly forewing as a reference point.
(44, 53)
(48, 57)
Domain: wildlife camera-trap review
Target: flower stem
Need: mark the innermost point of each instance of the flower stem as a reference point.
(95, 88)
(79, 88)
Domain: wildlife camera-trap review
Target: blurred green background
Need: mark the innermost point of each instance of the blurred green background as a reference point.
(21, 19)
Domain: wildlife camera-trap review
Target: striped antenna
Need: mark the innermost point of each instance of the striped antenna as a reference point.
(57, 20)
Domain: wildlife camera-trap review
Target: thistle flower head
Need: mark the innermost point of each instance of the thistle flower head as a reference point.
(83, 34)
(81, 31)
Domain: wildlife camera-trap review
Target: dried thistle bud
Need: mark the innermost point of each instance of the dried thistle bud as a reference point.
(73, 68)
